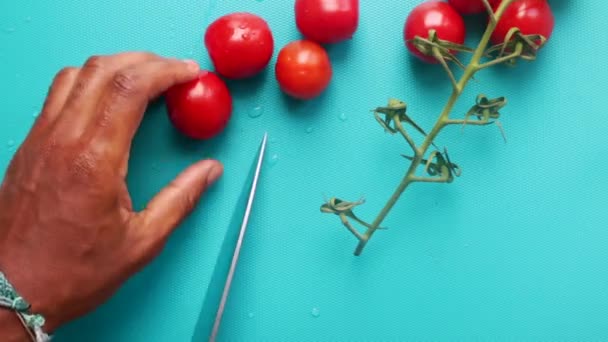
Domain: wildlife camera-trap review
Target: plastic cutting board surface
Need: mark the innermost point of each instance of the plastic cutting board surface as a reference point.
(515, 249)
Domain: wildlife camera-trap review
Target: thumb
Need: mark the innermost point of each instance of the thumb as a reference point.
(177, 200)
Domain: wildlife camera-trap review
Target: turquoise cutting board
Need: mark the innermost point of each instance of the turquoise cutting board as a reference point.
(515, 249)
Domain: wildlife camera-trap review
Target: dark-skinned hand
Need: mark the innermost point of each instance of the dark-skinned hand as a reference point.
(69, 236)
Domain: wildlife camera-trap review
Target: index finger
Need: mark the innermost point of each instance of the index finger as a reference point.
(125, 100)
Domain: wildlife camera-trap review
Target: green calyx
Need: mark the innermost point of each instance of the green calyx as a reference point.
(432, 46)
(517, 45)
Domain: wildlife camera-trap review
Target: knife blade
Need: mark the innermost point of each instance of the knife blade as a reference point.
(210, 318)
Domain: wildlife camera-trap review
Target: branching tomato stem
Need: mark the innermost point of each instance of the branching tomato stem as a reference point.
(466, 122)
(488, 7)
(445, 66)
(405, 135)
(519, 48)
(442, 121)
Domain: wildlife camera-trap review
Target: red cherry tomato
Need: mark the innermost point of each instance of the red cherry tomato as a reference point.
(530, 16)
(467, 7)
(240, 45)
(327, 21)
(303, 69)
(433, 15)
(201, 108)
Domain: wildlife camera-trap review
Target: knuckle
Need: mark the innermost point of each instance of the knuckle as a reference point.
(94, 63)
(65, 73)
(126, 83)
(145, 55)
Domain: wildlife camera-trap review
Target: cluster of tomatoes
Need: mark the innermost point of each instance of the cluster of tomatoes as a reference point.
(240, 45)
(531, 17)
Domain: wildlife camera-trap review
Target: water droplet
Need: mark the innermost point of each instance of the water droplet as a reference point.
(467, 245)
(310, 129)
(256, 112)
(273, 140)
(28, 19)
(342, 117)
(245, 36)
(10, 30)
(259, 0)
(35, 114)
(274, 159)
(251, 315)
(191, 53)
(155, 167)
(10, 143)
(243, 26)
(315, 312)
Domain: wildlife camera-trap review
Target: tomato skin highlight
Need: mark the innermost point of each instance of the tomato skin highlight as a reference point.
(327, 21)
(433, 15)
(530, 16)
(303, 69)
(240, 45)
(201, 108)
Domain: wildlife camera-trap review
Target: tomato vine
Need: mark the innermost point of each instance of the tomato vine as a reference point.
(394, 118)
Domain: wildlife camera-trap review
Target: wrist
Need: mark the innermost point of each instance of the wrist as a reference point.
(11, 329)
(12, 301)
(25, 284)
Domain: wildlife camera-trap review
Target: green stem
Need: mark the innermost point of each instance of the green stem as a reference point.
(468, 122)
(350, 227)
(442, 121)
(404, 133)
(430, 180)
(445, 66)
(489, 10)
(387, 208)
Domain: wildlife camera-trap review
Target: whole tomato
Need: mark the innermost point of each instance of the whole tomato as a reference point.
(467, 7)
(240, 45)
(530, 16)
(303, 69)
(201, 108)
(327, 21)
(433, 15)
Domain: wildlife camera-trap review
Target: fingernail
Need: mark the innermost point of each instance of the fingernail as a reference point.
(214, 174)
(192, 65)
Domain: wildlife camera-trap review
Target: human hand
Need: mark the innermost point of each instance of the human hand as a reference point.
(68, 234)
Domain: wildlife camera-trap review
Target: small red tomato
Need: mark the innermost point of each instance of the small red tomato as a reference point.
(303, 69)
(433, 15)
(530, 16)
(327, 21)
(467, 7)
(240, 45)
(201, 108)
